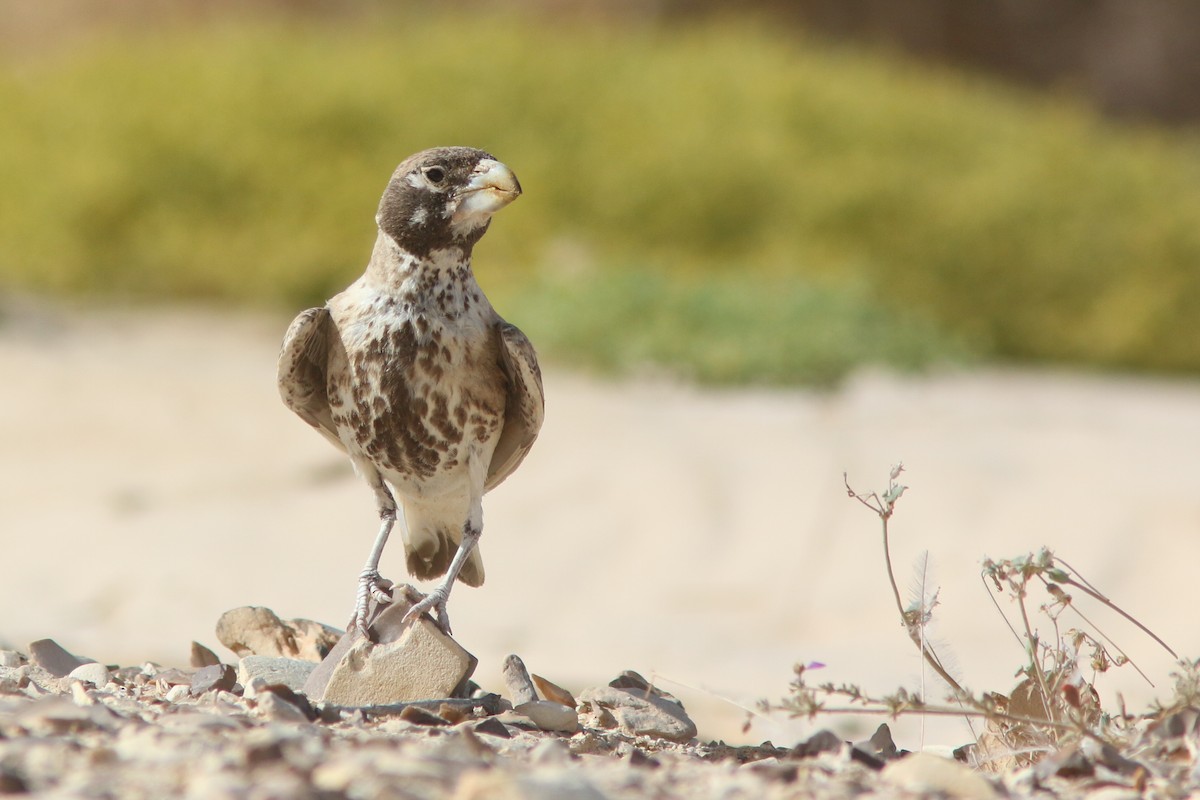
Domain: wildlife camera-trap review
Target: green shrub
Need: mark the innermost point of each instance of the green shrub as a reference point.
(244, 163)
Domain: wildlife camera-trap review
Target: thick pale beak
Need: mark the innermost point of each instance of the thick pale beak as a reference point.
(491, 188)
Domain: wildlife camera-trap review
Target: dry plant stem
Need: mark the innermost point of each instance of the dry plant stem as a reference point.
(1105, 637)
(1095, 595)
(999, 610)
(884, 508)
(1034, 661)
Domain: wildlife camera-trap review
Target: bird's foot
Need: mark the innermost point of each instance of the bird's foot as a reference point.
(370, 586)
(435, 600)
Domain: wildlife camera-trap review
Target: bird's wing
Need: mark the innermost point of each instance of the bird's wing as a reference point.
(302, 376)
(525, 405)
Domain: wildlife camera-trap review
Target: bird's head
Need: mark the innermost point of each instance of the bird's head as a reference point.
(444, 198)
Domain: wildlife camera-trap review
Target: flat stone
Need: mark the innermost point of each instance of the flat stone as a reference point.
(219, 677)
(275, 708)
(50, 656)
(95, 674)
(550, 716)
(516, 678)
(636, 713)
(552, 691)
(201, 656)
(926, 774)
(289, 672)
(406, 662)
(258, 631)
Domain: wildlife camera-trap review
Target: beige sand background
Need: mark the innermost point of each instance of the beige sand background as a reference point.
(151, 480)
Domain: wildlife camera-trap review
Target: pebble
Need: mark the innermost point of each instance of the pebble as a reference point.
(552, 691)
(50, 656)
(178, 693)
(95, 674)
(516, 678)
(214, 677)
(290, 672)
(276, 708)
(550, 716)
(11, 659)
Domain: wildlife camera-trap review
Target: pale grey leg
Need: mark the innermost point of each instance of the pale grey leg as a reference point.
(437, 598)
(370, 583)
(472, 530)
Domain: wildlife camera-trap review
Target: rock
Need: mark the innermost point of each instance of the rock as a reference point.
(95, 674)
(203, 657)
(636, 712)
(219, 677)
(289, 672)
(258, 631)
(11, 659)
(823, 741)
(407, 662)
(925, 774)
(552, 691)
(881, 745)
(50, 656)
(492, 727)
(276, 708)
(177, 693)
(516, 678)
(550, 716)
(420, 716)
(173, 677)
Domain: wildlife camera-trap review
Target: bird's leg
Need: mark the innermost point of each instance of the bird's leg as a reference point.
(370, 583)
(436, 600)
(472, 530)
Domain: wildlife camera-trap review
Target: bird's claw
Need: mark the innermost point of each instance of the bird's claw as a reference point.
(370, 586)
(435, 600)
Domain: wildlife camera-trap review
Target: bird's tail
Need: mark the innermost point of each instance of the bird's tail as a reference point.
(430, 545)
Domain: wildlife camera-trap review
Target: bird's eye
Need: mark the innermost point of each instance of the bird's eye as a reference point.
(435, 174)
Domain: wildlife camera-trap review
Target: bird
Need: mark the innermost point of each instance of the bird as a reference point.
(412, 373)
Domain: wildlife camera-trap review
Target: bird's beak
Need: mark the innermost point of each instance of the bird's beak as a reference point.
(491, 188)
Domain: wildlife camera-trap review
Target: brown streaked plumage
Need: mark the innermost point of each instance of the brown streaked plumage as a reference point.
(413, 374)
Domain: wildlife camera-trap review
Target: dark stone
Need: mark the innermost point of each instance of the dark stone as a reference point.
(823, 741)
(881, 743)
(11, 782)
(637, 758)
(216, 677)
(866, 759)
(492, 727)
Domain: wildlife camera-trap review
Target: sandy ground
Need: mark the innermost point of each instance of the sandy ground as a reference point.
(152, 480)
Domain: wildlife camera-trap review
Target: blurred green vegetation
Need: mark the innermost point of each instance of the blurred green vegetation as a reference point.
(730, 202)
